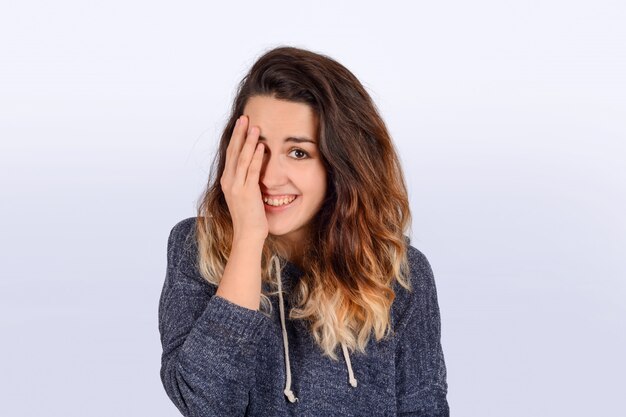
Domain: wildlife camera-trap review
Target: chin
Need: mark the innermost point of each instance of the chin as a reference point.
(290, 234)
(278, 233)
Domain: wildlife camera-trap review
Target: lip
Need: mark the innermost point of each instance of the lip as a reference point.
(278, 195)
(273, 209)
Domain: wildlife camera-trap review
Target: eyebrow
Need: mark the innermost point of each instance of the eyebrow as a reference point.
(296, 139)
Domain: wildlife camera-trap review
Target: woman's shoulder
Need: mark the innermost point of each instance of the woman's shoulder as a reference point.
(182, 247)
(422, 284)
(182, 233)
(182, 228)
(420, 271)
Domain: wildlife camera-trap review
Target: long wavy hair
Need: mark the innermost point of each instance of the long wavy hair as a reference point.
(357, 247)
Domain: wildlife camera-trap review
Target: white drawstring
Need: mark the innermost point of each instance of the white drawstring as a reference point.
(288, 392)
(351, 377)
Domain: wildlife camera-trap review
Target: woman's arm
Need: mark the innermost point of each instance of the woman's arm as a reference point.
(209, 343)
(421, 386)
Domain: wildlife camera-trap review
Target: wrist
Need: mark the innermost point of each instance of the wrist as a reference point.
(248, 243)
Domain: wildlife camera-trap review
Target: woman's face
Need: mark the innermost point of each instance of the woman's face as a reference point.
(292, 165)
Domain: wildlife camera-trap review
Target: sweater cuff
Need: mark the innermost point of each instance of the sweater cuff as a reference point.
(241, 322)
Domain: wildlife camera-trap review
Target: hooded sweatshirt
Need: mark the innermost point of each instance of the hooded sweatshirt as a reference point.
(223, 359)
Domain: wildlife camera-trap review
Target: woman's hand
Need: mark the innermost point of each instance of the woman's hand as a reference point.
(240, 183)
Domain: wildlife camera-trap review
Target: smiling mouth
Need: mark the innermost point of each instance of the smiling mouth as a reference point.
(279, 201)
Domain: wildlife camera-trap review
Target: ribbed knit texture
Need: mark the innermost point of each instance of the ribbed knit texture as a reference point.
(222, 359)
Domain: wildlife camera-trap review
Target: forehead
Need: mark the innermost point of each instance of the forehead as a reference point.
(281, 117)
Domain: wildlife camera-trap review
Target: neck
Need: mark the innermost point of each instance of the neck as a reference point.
(292, 252)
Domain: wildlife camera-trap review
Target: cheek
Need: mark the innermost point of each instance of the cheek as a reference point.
(313, 182)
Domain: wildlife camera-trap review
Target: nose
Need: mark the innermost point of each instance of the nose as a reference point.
(273, 174)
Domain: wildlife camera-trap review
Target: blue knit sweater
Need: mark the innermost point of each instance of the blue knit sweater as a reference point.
(222, 359)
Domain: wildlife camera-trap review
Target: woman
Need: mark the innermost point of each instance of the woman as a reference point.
(298, 250)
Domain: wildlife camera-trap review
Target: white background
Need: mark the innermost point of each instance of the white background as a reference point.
(510, 121)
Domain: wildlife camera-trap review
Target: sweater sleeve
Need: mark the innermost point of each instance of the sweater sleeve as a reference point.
(209, 344)
(421, 386)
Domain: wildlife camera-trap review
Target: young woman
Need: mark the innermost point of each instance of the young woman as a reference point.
(297, 252)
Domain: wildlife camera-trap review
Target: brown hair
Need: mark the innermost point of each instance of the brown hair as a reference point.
(357, 248)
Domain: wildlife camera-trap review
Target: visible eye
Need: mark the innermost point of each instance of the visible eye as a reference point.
(301, 152)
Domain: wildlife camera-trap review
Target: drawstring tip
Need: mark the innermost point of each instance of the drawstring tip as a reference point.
(353, 382)
(292, 398)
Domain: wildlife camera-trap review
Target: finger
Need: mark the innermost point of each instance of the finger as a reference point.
(255, 166)
(245, 157)
(234, 146)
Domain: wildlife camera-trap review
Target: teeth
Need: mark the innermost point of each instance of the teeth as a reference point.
(280, 201)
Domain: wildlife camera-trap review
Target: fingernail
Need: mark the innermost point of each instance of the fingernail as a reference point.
(237, 122)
